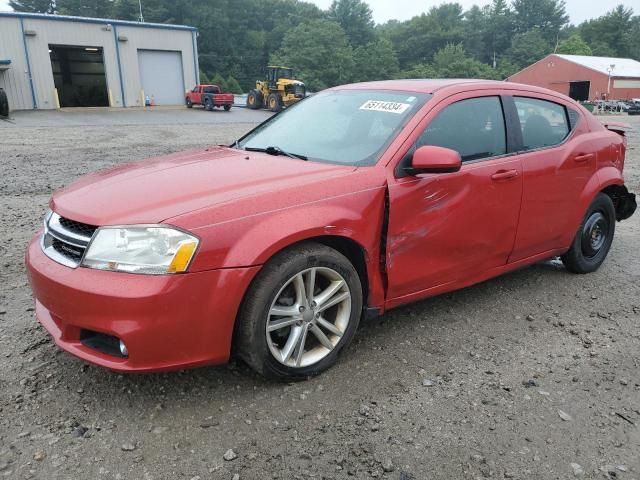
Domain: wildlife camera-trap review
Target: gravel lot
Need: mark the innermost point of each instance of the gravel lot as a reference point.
(531, 375)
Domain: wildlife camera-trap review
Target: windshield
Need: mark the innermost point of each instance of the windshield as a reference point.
(348, 127)
(285, 73)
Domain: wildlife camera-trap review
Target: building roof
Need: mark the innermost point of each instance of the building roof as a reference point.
(102, 21)
(623, 67)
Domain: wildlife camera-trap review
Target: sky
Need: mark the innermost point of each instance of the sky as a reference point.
(383, 10)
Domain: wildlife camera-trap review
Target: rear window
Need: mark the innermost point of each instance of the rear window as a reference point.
(211, 90)
(543, 123)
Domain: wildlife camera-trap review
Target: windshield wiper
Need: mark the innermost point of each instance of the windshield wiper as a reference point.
(276, 151)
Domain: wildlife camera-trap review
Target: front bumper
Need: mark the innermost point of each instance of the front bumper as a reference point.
(167, 322)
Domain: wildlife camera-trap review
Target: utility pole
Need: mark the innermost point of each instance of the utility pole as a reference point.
(610, 70)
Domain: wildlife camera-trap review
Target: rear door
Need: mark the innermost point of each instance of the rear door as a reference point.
(557, 161)
(451, 227)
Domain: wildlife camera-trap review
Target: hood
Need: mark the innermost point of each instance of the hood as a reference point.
(160, 188)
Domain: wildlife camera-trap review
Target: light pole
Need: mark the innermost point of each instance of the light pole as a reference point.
(609, 70)
(140, 5)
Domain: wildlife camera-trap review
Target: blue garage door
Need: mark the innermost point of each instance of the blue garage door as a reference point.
(161, 76)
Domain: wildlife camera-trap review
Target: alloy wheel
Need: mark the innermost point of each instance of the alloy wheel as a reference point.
(308, 317)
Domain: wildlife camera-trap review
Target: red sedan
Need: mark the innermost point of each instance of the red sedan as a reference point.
(357, 200)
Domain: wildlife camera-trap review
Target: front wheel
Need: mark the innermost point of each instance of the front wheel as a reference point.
(254, 100)
(593, 240)
(274, 102)
(189, 103)
(302, 309)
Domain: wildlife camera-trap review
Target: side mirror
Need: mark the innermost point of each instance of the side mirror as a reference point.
(432, 159)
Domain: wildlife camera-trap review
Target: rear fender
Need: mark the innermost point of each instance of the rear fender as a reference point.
(600, 180)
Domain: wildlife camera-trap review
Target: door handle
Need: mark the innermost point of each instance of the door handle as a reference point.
(584, 158)
(504, 175)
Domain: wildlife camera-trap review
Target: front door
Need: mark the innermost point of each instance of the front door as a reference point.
(449, 227)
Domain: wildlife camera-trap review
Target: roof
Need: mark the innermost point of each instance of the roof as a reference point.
(623, 67)
(422, 85)
(101, 21)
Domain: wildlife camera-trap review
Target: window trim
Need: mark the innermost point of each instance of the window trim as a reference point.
(400, 170)
(520, 148)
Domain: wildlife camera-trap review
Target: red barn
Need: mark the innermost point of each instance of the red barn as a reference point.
(583, 77)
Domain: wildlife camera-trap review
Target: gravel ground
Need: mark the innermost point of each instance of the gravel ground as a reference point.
(531, 375)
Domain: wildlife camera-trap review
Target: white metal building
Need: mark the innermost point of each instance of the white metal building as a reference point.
(53, 61)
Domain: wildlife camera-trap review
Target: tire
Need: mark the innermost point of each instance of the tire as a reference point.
(208, 106)
(274, 290)
(227, 107)
(254, 100)
(189, 103)
(4, 104)
(594, 237)
(274, 102)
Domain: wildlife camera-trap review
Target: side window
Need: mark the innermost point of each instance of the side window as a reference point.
(195, 89)
(543, 123)
(474, 128)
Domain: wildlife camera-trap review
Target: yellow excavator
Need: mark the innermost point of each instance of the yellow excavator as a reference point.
(279, 90)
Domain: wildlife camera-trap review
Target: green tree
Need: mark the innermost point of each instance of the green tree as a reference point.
(219, 81)
(453, 62)
(500, 29)
(528, 48)
(355, 18)
(612, 33)
(319, 52)
(420, 70)
(204, 78)
(375, 61)
(574, 45)
(476, 22)
(505, 68)
(546, 16)
(233, 86)
(33, 6)
(417, 40)
(86, 8)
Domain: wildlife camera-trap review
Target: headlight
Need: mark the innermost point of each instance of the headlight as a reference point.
(152, 250)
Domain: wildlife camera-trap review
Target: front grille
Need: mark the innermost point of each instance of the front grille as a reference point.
(65, 240)
(77, 227)
(70, 251)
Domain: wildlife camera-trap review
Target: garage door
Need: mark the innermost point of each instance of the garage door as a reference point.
(161, 76)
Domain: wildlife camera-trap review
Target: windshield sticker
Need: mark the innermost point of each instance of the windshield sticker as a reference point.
(389, 107)
(411, 99)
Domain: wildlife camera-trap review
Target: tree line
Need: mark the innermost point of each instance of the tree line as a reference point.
(238, 38)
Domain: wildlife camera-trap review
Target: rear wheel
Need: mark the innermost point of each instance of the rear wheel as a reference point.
(208, 105)
(254, 100)
(189, 103)
(593, 240)
(227, 107)
(302, 309)
(4, 104)
(274, 102)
